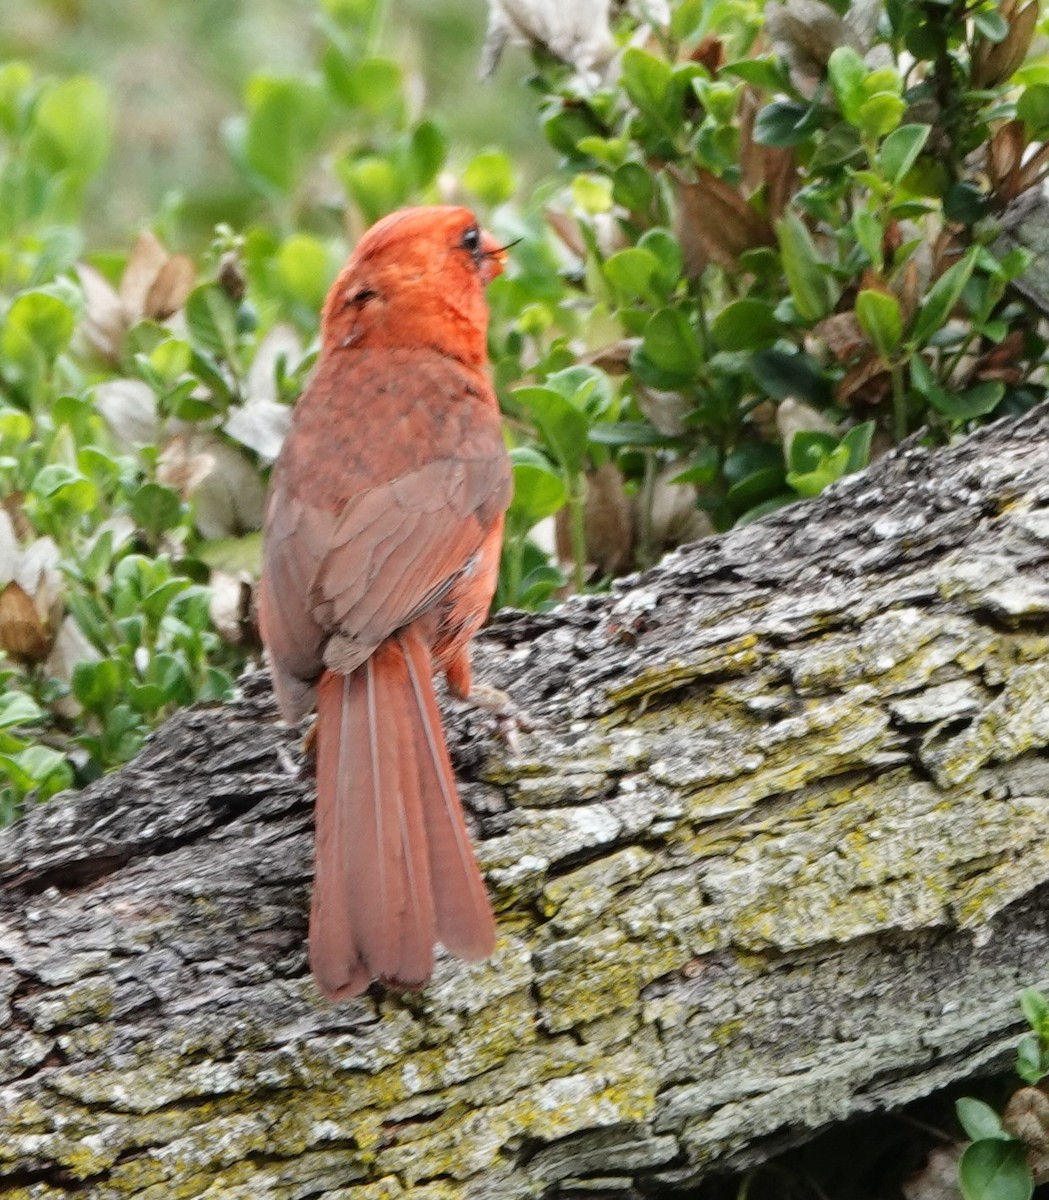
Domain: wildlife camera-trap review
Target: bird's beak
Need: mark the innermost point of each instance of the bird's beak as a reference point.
(493, 257)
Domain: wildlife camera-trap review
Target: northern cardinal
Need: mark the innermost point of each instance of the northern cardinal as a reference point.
(383, 530)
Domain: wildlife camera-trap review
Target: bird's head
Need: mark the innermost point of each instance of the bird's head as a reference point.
(417, 277)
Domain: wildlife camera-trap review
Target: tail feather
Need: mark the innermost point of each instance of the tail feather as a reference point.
(463, 913)
(394, 866)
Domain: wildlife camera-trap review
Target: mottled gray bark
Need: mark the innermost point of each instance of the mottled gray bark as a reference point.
(774, 855)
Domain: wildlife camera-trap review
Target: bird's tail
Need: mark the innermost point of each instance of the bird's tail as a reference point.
(395, 871)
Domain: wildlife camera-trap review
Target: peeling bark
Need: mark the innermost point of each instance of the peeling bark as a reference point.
(774, 855)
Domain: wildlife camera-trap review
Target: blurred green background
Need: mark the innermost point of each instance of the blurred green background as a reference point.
(176, 73)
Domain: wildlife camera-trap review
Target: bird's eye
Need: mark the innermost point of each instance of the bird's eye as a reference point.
(471, 240)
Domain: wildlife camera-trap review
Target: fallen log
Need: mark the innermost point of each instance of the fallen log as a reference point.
(772, 855)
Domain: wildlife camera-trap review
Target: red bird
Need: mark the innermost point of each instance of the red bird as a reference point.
(382, 537)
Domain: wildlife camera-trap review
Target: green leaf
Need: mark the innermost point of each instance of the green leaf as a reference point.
(490, 177)
(869, 233)
(755, 472)
(1035, 1007)
(669, 354)
(686, 19)
(98, 684)
(1033, 109)
(212, 319)
(880, 319)
(285, 119)
(782, 123)
(858, 443)
(539, 490)
(373, 85)
(302, 267)
(771, 505)
(561, 425)
(992, 1169)
(16, 708)
(647, 80)
(38, 324)
(881, 114)
(662, 244)
(746, 325)
(170, 359)
(72, 126)
(975, 401)
(630, 433)
(979, 1120)
(156, 508)
(965, 203)
(429, 150)
(373, 183)
(631, 272)
(60, 487)
(781, 374)
(16, 80)
(847, 73)
(943, 296)
(831, 468)
(1030, 1061)
(899, 152)
(633, 187)
(38, 768)
(809, 285)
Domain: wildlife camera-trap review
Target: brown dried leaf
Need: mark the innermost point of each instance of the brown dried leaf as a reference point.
(909, 289)
(613, 359)
(170, 289)
(14, 506)
(224, 486)
(674, 519)
(567, 230)
(261, 425)
(144, 264)
(104, 323)
(1033, 171)
(232, 607)
(1026, 1116)
(938, 1179)
(794, 417)
(806, 33)
(23, 634)
(781, 178)
(608, 523)
(842, 335)
(10, 551)
(710, 53)
(994, 62)
(1000, 362)
(665, 410)
(577, 33)
(70, 648)
(867, 383)
(1005, 153)
(769, 167)
(129, 408)
(714, 223)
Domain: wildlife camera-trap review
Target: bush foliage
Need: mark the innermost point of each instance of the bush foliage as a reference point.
(768, 253)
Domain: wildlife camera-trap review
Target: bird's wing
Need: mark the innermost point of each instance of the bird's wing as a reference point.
(338, 580)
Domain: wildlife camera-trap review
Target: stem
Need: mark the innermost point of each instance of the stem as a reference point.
(644, 533)
(375, 27)
(577, 520)
(515, 569)
(899, 403)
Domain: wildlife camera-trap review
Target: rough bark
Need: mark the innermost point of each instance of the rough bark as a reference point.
(773, 855)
